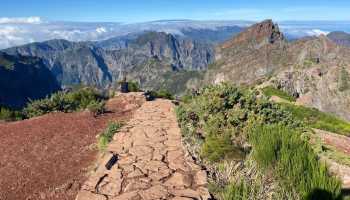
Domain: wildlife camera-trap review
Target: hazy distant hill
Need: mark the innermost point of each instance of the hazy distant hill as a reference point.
(340, 37)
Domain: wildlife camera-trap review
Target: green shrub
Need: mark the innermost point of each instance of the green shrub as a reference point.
(317, 119)
(107, 135)
(65, 102)
(220, 147)
(8, 114)
(96, 107)
(186, 98)
(270, 91)
(163, 94)
(295, 163)
(133, 86)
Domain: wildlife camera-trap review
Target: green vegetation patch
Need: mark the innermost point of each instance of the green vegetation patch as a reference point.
(133, 86)
(294, 161)
(270, 91)
(107, 136)
(163, 94)
(317, 119)
(67, 102)
(227, 123)
(7, 114)
(240, 191)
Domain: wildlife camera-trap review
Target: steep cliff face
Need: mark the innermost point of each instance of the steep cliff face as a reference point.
(101, 64)
(22, 79)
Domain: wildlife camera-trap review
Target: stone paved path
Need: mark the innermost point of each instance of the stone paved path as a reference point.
(151, 161)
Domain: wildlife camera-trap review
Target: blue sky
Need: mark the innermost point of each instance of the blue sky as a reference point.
(147, 10)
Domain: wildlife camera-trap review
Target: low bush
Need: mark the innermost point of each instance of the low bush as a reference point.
(133, 86)
(163, 94)
(270, 91)
(96, 107)
(107, 135)
(7, 114)
(66, 102)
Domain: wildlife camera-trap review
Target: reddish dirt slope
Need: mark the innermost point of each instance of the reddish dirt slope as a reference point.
(48, 157)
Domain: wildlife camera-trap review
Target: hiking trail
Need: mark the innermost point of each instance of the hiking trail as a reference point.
(147, 161)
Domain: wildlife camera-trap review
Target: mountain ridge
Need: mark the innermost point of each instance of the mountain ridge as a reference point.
(103, 63)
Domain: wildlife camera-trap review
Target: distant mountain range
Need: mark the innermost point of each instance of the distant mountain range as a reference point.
(314, 69)
(102, 64)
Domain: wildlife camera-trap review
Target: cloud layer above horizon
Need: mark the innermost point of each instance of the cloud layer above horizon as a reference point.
(19, 31)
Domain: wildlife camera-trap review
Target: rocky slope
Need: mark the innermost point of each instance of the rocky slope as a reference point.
(22, 79)
(314, 69)
(101, 64)
(251, 55)
(320, 76)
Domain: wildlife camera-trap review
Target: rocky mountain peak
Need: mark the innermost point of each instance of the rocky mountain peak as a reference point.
(265, 32)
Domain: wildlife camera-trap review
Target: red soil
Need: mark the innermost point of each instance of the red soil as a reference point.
(48, 157)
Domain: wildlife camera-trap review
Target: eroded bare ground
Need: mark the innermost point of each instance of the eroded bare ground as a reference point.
(151, 161)
(48, 157)
(342, 144)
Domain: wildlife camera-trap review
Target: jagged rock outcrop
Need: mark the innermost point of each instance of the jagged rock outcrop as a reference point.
(250, 56)
(23, 79)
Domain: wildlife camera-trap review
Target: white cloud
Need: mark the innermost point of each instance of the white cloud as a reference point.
(11, 35)
(101, 30)
(317, 32)
(19, 31)
(20, 20)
